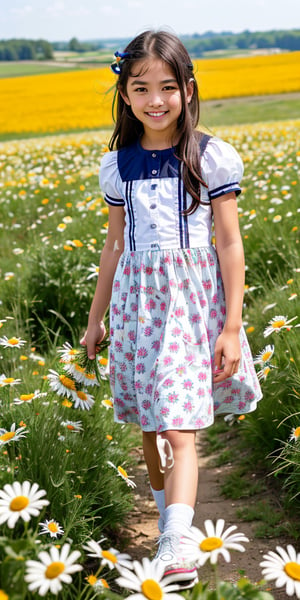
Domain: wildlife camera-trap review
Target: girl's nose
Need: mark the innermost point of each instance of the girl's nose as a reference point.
(155, 100)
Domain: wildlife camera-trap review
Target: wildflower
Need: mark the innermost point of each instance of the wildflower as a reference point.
(73, 425)
(20, 500)
(53, 568)
(13, 342)
(284, 567)
(122, 473)
(80, 374)
(3, 595)
(51, 527)
(295, 435)
(64, 386)
(107, 403)
(147, 578)
(216, 541)
(83, 400)
(263, 373)
(67, 403)
(23, 398)
(96, 583)
(278, 323)
(67, 353)
(11, 436)
(94, 271)
(8, 381)
(264, 356)
(110, 557)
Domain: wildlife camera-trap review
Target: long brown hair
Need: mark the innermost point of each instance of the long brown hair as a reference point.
(128, 128)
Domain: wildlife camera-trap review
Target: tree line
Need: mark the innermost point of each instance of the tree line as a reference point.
(21, 49)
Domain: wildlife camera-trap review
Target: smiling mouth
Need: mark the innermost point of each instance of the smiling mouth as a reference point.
(157, 114)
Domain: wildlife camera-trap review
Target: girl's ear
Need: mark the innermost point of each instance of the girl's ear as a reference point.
(189, 90)
(125, 98)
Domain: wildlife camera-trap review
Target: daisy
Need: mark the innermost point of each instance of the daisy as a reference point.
(83, 400)
(122, 473)
(8, 381)
(148, 581)
(278, 323)
(67, 353)
(94, 271)
(283, 567)
(73, 425)
(216, 541)
(107, 403)
(110, 557)
(55, 567)
(264, 356)
(63, 385)
(23, 398)
(263, 373)
(80, 374)
(295, 435)
(13, 342)
(96, 583)
(13, 435)
(20, 500)
(51, 527)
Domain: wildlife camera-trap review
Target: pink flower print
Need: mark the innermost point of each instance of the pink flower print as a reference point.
(179, 312)
(225, 384)
(187, 384)
(173, 347)
(156, 345)
(181, 370)
(172, 283)
(223, 310)
(133, 289)
(116, 285)
(142, 352)
(123, 367)
(187, 338)
(179, 261)
(146, 404)
(118, 346)
(213, 313)
(126, 318)
(161, 270)
(236, 391)
(215, 299)
(172, 397)
(168, 361)
(149, 389)
(199, 423)
(196, 318)
(131, 336)
(126, 270)
(177, 421)
(134, 307)
(203, 264)
(186, 284)
(138, 385)
(149, 290)
(151, 304)
(200, 392)
(242, 405)
(207, 284)
(228, 400)
(190, 358)
(168, 382)
(140, 368)
(203, 302)
(124, 387)
(193, 298)
(249, 395)
(148, 331)
(211, 260)
(210, 334)
(202, 376)
(163, 306)
(156, 395)
(176, 331)
(129, 356)
(144, 421)
(164, 410)
(115, 310)
(149, 270)
(188, 407)
(157, 322)
(119, 402)
(164, 289)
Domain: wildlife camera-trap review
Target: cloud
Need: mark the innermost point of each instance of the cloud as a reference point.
(23, 11)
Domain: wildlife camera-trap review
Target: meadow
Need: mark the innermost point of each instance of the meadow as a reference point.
(56, 425)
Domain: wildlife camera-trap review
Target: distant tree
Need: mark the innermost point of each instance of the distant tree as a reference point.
(74, 45)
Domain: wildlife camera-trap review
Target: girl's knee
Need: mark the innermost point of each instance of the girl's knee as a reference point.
(179, 439)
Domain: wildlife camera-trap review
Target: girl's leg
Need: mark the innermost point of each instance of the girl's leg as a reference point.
(181, 481)
(156, 477)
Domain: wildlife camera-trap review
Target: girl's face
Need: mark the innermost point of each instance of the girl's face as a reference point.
(154, 97)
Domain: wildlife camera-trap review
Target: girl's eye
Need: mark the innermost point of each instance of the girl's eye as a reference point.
(140, 89)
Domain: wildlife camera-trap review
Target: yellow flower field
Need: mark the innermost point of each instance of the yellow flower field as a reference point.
(82, 99)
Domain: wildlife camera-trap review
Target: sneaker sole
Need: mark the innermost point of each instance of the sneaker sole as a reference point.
(185, 585)
(182, 573)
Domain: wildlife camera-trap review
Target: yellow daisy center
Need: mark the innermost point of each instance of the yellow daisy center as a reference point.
(266, 355)
(8, 380)
(9, 435)
(71, 427)
(109, 556)
(123, 472)
(26, 397)
(152, 590)
(90, 376)
(19, 503)
(67, 382)
(278, 324)
(211, 543)
(52, 527)
(13, 341)
(297, 432)
(104, 583)
(292, 569)
(91, 579)
(54, 570)
(79, 368)
(3, 595)
(82, 396)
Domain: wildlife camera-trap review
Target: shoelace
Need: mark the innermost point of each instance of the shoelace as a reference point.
(165, 453)
(168, 543)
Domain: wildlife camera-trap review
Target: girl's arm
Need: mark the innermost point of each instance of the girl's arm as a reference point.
(230, 252)
(112, 250)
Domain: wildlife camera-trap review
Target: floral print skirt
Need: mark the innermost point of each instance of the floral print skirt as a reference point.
(167, 310)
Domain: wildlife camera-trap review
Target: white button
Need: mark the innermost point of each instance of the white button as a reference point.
(153, 225)
(154, 172)
(153, 155)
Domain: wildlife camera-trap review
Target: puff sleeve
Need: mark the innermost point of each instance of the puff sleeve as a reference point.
(222, 168)
(109, 179)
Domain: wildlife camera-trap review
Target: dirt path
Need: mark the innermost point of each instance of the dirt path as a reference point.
(210, 505)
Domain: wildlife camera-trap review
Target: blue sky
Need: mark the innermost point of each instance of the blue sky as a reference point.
(90, 19)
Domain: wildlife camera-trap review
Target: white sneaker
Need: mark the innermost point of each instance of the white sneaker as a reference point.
(169, 553)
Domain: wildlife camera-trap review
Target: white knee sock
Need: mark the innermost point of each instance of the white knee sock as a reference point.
(178, 518)
(159, 497)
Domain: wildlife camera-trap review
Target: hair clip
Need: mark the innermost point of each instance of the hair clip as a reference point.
(117, 64)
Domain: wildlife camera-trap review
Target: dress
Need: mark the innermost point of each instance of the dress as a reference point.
(167, 307)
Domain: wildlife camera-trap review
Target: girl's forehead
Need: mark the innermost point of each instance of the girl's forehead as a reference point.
(151, 68)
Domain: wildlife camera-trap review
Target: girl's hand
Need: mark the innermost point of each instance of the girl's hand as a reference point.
(227, 356)
(92, 338)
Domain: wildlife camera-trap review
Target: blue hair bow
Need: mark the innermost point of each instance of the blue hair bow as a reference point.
(116, 66)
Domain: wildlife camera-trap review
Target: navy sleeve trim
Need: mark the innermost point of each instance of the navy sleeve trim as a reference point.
(114, 201)
(225, 189)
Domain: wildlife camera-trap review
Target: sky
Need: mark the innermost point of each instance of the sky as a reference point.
(60, 20)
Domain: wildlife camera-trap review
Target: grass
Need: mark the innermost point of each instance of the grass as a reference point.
(21, 69)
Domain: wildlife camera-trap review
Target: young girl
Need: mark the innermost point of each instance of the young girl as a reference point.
(178, 353)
